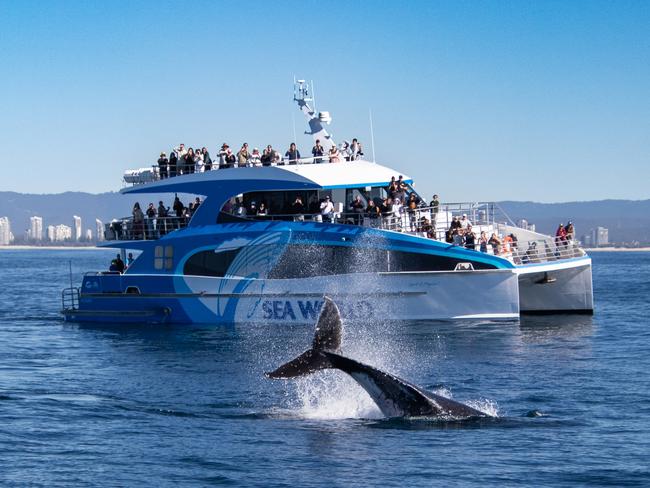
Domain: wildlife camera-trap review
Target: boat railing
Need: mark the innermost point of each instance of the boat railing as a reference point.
(70, 298)
(432, 222)
(153, 173)
(540, 251)
(127, 229)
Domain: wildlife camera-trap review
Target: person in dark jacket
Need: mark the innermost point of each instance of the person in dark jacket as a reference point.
(178, 208)
(117, 265)
(188, 167)
(162, 166)
(138, 221)
(292, 155)
(358, 209)
(207, 161)
(173, 164)
(161, 222)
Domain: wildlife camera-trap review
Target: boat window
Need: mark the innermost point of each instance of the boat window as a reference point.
(169, 257)
(210, 263)
(158, 257)
(303, 261)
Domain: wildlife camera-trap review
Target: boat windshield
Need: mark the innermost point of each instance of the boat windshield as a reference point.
(288, 204)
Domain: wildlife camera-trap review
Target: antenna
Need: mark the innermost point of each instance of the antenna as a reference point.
(293, 119)
(313, 96)
(372, 137)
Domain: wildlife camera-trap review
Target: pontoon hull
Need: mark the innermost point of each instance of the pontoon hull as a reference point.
(489, 294)
(556, 287)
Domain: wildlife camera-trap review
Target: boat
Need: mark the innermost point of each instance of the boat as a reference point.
(229, 263)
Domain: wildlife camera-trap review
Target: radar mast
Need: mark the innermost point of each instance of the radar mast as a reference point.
(303, 95)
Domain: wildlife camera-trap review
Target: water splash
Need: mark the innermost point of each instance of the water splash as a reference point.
(331, 395)
(488, 407)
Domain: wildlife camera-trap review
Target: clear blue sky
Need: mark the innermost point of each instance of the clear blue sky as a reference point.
(545, 101)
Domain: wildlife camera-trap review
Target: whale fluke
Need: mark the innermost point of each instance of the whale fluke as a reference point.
(328, 329)
(327, 337)
(394, 396)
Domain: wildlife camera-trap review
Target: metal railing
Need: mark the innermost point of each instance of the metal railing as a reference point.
(70, 298)
(126, 229)
(423, 221)
(155, 172)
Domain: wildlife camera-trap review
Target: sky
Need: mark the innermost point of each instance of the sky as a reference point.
(546, 101)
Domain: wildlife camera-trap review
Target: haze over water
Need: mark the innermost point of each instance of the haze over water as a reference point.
(189, 404)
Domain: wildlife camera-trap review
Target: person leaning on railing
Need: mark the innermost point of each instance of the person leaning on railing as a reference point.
(292, 155)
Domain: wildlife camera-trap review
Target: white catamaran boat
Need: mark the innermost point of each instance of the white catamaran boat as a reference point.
(229, 262)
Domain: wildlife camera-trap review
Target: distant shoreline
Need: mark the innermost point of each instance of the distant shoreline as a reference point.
(48, 248)
(618, 249)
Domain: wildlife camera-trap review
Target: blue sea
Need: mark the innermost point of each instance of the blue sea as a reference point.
(189, 405)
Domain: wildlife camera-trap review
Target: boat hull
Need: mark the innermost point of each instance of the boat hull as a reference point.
(489, 294)
(559, 287)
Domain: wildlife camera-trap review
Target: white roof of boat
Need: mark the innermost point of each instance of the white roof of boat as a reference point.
(347, 174)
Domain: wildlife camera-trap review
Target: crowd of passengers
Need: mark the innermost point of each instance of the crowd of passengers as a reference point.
(154, 222)
(189, 160)
(401, 210)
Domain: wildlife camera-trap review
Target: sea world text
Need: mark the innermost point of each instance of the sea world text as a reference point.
(289, 310)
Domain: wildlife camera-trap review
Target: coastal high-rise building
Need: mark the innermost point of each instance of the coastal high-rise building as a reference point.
(598, 237)
(522, 224)
(77, 227)
(59, 233)
(35, 232)
(99, 230)
(89, 235)
(6, 237)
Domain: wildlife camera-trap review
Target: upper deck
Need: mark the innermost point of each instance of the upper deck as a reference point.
(302, 174)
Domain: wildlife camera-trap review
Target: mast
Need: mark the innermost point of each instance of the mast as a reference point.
(301, 95)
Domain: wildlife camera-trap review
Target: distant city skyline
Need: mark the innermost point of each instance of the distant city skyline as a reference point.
(53, 232)
(541, 101)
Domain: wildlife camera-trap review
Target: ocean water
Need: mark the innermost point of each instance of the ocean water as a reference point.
(188, 405)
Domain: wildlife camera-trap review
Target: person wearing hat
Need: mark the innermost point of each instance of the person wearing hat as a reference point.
(162, 166)
(223, 153)
(327, 209)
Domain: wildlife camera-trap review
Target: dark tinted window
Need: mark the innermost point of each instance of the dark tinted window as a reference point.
(210, 263)
(303, 261)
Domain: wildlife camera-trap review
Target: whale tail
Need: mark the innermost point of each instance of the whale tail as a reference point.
(327, 337)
